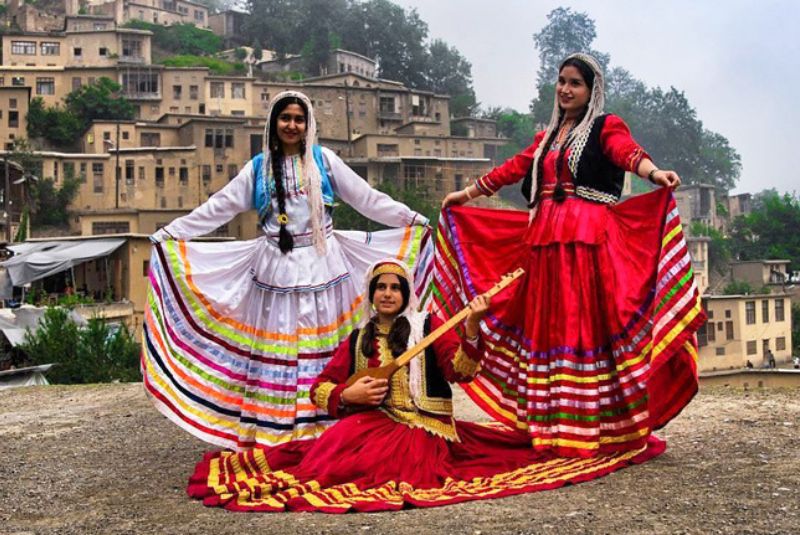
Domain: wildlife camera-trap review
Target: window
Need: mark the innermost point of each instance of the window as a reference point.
(13, 119)
(710, 314)
(750, 312)
(47, 48)
(18, 81)
(129, 170)
(97, 177)
(177, 92)
(77, 52)
(218, 168)
(719, 351)
(217, 90)
(160, 177)
(728, 313)
(103, 51)
(111, 227)
(132, 48)
(765, 311)
(237, 90)
(69, 170)
(76, 83)
(233, 170)
(23, 48)
(172, 171)
(199, 15)
(729, 330)
(752, 347)
(194, 92)
(142, 175)
(711, 331)
(779, 313)
(206, 173)
(106, 136)
(145, 268)
(83, 172)
(183, 176)
(126, 135)
(780, 344)
(219, 138)
(140, 83)
(150, 139)
(45, 86)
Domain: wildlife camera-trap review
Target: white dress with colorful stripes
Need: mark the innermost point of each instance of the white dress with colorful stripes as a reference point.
(236, 332)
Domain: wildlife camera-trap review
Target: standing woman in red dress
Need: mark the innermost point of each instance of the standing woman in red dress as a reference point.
(596, 348)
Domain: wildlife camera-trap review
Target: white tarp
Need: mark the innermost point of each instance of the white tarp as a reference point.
(14, 322)
(37, 260)
(31, 376)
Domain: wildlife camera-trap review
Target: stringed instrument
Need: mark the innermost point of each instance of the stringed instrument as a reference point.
(386, 371)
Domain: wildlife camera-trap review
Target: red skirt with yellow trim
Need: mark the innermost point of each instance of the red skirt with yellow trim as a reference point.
(594, 347)
(368, 462)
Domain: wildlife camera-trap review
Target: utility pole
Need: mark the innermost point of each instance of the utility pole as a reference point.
(6, 195)
(349, 130)
(117, 172)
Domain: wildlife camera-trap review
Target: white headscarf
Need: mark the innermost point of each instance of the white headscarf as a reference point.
(416, 319)
(312, 178)
(594, 108)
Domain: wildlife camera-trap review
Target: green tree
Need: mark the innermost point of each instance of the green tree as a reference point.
(179, 39)
(95, 353)
(58, 126)
(347, 218)
(719, 248)
(765, 233)
(449, 73)
(738, 288)
(50, 203)
(99, 101)
(394, 36)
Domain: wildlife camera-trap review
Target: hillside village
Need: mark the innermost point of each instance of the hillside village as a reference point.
(194, 128)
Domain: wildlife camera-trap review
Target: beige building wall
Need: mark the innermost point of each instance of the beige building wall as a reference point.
(166, 12)
(13, 114)
(229, 95)
(760, 273)
(184, 91)
(698, 250)
(742, 328)
(78, 48)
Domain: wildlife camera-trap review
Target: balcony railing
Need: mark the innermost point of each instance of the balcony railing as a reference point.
(142, 95)
(390, 116)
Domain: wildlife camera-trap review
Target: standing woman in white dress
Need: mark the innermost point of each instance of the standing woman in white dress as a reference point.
(236, 332)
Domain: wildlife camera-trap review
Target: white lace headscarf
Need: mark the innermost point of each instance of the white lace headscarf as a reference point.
(416, 319)
(312, 177)
(594, 108)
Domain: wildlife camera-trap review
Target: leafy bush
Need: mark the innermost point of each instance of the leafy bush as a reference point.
(180, 38)
(215, 65)
(95, 354)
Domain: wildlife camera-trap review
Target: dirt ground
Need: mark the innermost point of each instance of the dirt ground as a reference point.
(100, 459)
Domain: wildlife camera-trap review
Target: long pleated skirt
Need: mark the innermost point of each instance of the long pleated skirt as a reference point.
(368, 462)
(594, 347)
(236, 333)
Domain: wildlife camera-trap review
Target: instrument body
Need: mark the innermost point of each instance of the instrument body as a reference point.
(386, 371)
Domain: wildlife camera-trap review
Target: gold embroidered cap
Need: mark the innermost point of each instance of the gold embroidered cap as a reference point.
(389, 268)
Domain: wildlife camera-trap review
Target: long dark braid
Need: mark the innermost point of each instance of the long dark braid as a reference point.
(285, 240)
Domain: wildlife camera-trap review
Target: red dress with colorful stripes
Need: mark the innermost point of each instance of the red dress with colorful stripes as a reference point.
(394, 456)
(595, 348)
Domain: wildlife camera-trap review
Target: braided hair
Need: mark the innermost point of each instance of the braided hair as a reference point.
(285, 240)
(401, 328)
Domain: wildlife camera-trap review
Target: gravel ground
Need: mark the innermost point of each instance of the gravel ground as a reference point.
(100, 459)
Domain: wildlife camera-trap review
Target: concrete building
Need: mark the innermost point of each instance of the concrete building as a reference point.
(339, 62)
(762, 273)
(742, 328)
(165, 12)
(229, 25)
(697, 204)
(474, 127)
